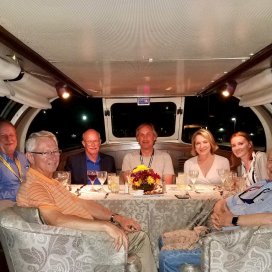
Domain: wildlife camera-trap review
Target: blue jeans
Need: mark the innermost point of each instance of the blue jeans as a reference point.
(171, 260)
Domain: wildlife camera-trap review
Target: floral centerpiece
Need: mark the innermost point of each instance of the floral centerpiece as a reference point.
(144, 178)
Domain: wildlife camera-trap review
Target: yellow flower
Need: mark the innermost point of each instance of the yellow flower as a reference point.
(140, 167)
(143, 176)
(150, 180)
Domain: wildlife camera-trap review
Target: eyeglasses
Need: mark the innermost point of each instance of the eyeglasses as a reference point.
(252, 189)
(92, 142)
(48, 153)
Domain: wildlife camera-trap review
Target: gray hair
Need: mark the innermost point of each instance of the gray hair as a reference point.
(146, 125)
(32, 139)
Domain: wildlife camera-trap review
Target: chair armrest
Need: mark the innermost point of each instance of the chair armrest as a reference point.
(243, 249)
(31, 246)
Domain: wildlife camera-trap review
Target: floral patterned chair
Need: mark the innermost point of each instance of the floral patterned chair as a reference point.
(29, 245)
(243, 249)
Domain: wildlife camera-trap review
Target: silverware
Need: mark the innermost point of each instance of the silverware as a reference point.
(77, 192)
(106, 195)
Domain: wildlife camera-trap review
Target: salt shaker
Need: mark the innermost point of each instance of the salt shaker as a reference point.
(189, 268)
(127, 179)
(126, 188)
(163, 185)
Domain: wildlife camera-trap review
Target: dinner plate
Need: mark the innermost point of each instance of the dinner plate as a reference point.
(146, 196)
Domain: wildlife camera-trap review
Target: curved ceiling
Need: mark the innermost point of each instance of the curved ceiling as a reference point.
(135, 48)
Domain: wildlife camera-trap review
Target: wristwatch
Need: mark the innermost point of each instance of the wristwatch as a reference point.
(112, 217)
(234, 220)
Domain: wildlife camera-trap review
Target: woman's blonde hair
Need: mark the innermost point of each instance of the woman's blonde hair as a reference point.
(208, 136)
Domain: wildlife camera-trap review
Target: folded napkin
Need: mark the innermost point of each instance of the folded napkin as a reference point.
(183, 238)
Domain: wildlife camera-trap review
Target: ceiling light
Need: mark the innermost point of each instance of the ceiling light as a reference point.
(62, 90)
(229, 88)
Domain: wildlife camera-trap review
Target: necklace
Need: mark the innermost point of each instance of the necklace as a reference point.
(150, 160)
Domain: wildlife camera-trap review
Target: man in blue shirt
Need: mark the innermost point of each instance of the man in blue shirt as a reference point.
(13, 164)
(253, 207)
(90, 159)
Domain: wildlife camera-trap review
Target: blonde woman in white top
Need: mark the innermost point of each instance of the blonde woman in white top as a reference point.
(205, 160)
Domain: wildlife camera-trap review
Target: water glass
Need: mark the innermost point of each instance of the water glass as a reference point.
(181, 181)
(230, 182)
(113, 184)
(64, 177)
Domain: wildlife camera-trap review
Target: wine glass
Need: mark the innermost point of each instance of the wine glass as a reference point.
(193, 175)
(102, 176)
(92, 176)
(223, 174)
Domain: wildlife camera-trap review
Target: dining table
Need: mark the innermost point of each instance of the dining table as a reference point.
(158, 213)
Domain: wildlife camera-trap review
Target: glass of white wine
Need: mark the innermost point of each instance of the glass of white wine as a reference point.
(193, 175)
(102, 176)
(223, 174)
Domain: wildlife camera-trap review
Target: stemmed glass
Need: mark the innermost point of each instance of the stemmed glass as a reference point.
(102, 176)
(193, 175)
(223, 174)
(92, 176)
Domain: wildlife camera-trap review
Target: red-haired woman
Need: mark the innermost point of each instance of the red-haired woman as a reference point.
(253, 164)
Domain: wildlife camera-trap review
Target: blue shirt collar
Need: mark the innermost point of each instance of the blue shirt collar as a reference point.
(6, 157)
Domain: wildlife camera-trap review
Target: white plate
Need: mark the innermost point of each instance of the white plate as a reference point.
(154, 195)
(138, 193)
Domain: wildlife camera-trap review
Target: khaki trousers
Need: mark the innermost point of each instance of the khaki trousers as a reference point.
(139, 244)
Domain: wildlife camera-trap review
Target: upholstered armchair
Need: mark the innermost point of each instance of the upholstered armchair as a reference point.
(30, 245)
(244, 249)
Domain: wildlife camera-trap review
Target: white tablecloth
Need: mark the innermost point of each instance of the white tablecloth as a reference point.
(159, 213)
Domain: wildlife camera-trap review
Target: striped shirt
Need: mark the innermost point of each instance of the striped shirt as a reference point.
(39, 191)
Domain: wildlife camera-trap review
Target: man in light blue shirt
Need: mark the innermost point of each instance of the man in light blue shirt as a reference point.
(253, 207)
(13, 164)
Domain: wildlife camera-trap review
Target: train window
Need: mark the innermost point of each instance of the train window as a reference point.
(69, 119)
(125, 117)
(222, 118)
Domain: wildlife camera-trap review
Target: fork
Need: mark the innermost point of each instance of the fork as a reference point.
(106, 195)
(77, 192)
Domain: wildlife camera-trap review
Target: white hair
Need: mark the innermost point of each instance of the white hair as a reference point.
(32, 139)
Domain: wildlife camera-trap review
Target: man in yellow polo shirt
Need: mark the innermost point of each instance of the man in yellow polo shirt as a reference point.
(59, 207)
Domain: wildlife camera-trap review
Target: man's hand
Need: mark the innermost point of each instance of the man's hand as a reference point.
(222, 219)
(119, 236)
(221, 216)
(128, 224)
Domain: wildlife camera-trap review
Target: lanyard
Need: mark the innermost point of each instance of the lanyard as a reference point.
(150, 161)
(19, 167)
